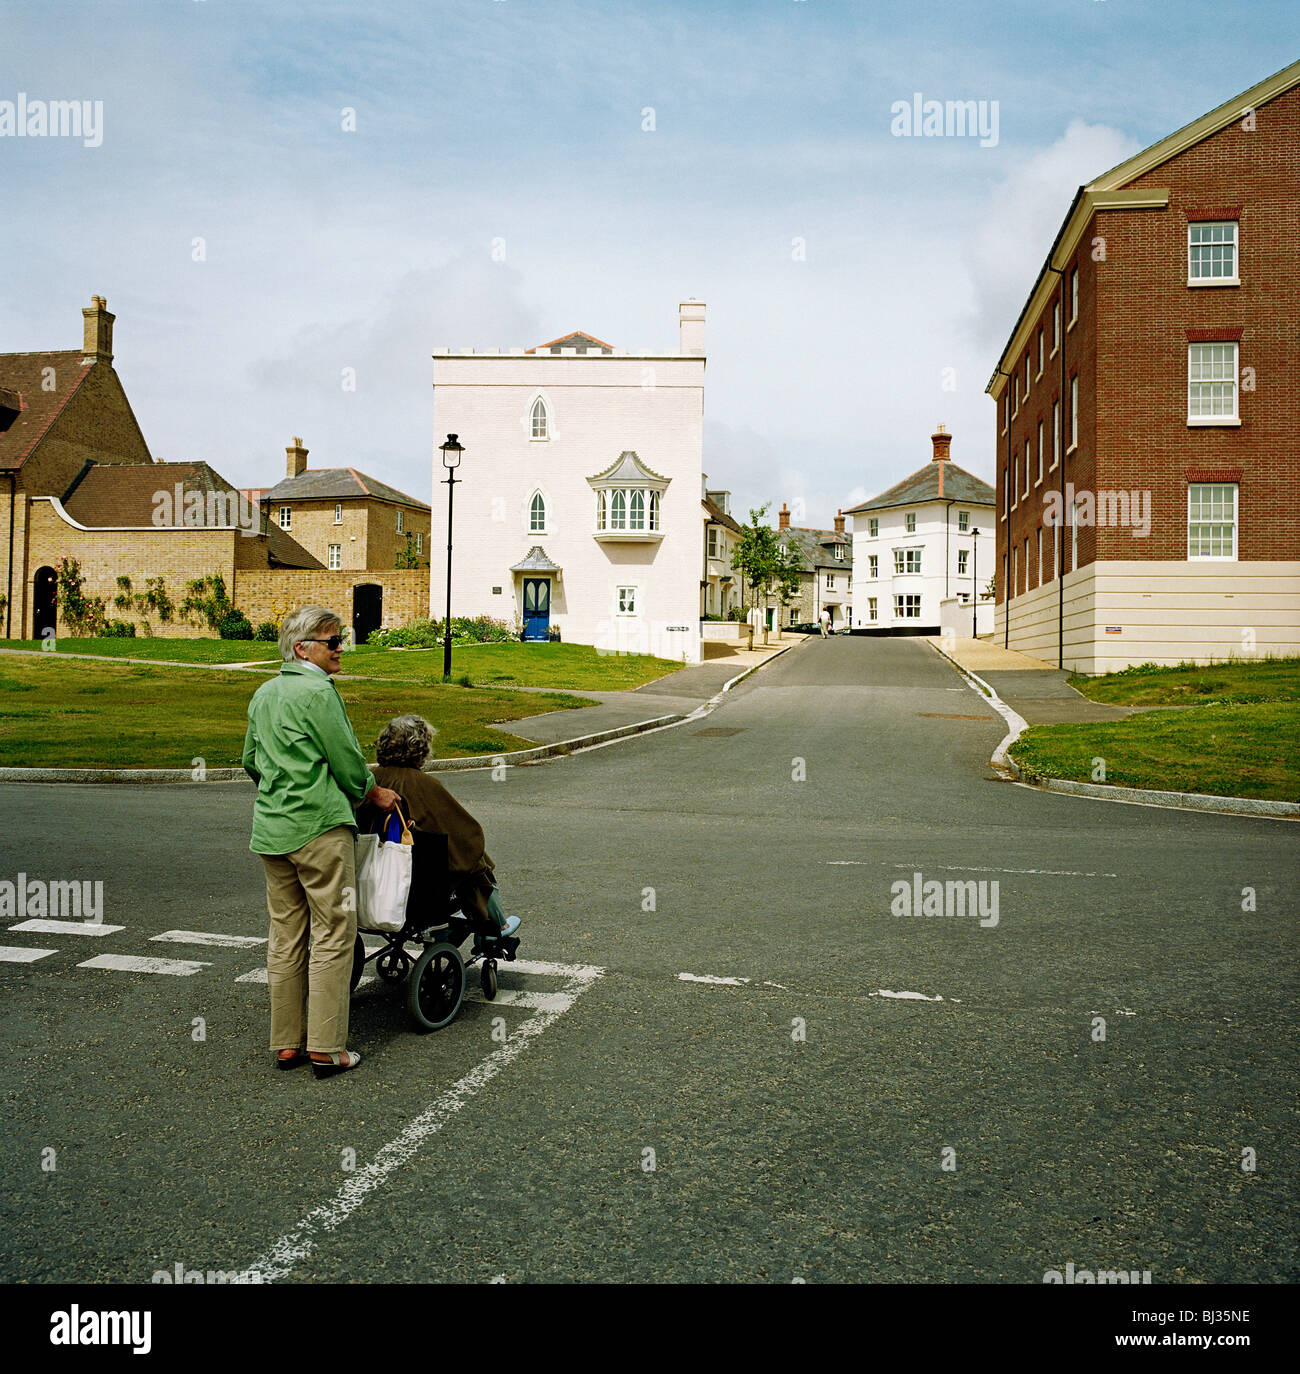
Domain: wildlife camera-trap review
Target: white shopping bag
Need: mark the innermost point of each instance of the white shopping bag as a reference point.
(383, 880)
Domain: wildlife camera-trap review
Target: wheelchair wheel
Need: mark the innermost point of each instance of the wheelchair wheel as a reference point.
(358, 963)
(393, 964)
(437, 986)
(488, 980)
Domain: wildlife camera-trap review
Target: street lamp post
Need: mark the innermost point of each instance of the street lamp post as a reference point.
(451, 452)
(975, 584)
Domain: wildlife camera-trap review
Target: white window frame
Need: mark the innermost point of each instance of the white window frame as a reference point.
(837, 551)
(400, 514)
(871, 607)
(1074, 413)
(338, 512)
(419, 542)
(1039, 583)
(534, 437)
(1006, 409)
(909, 522)
(903, 607)
(1235, 278)
(1230, 419)
(963, 521)
(286, 517)
(1235, 522)
(1074, 536)
(602, 509)
(1056, 434)
(533, 526)
(1040, 355)
(830, 582)
(625, 599)
(713, 541)
(873, 565)
(873, 528)
(903, 559)
(334, 557)
(1028, 447)
(1056, 328)
(1074, 300)
(1039, 478)
(962, 559)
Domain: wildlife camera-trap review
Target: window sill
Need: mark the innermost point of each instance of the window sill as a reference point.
(1208, 421)
(1071, 449)
(1216, 281)
(1053, 353)
(628, 536)
(1211, 558)
(1071, 325)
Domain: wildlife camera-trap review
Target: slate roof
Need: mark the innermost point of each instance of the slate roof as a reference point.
(923, 485)
(582, 342)
(24, 373)
(627, 467)
(112, 495)
(717, 516)
(338, 484)
(536, 560)
(814, 547)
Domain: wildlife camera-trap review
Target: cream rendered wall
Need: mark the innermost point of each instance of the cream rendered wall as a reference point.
(929, 537)
(599, 405)
(1167, 612)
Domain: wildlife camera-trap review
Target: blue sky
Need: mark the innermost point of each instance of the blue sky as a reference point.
(519, 124)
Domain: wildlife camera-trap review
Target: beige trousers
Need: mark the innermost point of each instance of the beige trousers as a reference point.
(311, 890)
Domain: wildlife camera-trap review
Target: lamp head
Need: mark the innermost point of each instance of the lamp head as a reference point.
(451, 452)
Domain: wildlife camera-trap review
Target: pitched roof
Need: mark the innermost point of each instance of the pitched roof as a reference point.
(582, 342)
(117, 495)
(338, 484)
(25, 374)
(536, 560)
(814, 547)
(627, 467)
(718, 516)
(923, 485)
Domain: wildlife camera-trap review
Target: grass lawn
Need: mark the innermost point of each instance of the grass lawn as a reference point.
(1265, 679)
(572, 667)
(66, 713)
(1241, 737)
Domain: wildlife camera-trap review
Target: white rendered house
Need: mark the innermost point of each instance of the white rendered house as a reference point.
(915, 546)
(577, 502)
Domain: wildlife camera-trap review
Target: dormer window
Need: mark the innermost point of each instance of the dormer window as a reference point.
(628, 499)
(539, 421)
(839, 553)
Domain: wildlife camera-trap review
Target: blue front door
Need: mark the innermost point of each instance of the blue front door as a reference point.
(537, 607)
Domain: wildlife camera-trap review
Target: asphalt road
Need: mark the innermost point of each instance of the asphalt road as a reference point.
(656, 1129)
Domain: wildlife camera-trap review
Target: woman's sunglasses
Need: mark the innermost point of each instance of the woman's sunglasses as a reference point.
(333, 642)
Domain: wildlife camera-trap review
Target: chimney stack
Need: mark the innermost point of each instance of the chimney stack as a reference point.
(839, 522)
(297, 456)
(783, 517)
(98, 332)
(941, 439)
(690, 320)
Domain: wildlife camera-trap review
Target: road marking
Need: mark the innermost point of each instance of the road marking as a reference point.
(910, 996)
(130, 963)
(533, 1001)
(42, 927)
(203, 937)
(294, 1246)
(19, 954)
(966, 868)
(584, 973)
(709, 978)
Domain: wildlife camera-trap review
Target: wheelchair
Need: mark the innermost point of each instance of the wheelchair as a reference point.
(435, 977)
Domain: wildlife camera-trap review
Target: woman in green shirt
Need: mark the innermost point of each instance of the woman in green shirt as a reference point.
(301, 752)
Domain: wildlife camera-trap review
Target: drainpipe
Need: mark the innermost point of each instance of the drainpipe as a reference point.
(946, 536)
(1060, 556)
(9, 594)
(1006, 495)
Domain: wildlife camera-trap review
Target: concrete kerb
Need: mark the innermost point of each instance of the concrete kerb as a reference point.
(1133, 796)
(539, 754)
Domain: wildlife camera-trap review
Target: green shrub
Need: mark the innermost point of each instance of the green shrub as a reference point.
(234, 625)
(267, 631)
(118, 629)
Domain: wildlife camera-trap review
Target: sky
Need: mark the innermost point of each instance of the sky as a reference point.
(514, 170)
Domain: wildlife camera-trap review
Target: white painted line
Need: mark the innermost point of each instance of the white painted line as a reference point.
(582, 973)
(130, 963)
(533, 1001)
(908, 996)
(782, 986)
(709, 978)
(17, 954)
(258, 975)
(967, 868)
(278, 1262)
(42, 927)
(203, 937)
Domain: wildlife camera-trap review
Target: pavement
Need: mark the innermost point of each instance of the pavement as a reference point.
(669, 697)
(1036, 691)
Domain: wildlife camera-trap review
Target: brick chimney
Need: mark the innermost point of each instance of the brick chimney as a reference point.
(941, 440)
(690, 322)
(783, 517)
(98, 332)
(297, 456)
(839, 522)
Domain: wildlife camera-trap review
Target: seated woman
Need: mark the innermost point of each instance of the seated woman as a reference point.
(404, 745)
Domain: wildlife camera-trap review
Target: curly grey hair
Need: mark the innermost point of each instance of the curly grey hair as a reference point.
(405, 742)
(304, 623)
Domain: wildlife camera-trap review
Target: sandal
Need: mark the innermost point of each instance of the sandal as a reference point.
(326, 1065)
(286, 1059)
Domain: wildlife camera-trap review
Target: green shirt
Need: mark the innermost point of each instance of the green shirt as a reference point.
(302, 753)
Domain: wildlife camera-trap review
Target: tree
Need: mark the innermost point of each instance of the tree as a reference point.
(762, 558)
(407, 556)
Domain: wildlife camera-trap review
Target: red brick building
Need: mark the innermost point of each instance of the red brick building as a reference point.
(1145, 406)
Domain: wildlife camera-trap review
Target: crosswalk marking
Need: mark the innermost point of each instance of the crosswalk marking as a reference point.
(44, 927)
(203, 937)
(258, 975)
(532, 1001)
(130, 963)
(18, 954)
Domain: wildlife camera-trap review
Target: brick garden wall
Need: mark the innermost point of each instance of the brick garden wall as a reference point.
(267, 595)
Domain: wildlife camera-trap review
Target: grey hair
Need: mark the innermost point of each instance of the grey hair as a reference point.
(405, 742)
(304, 623)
